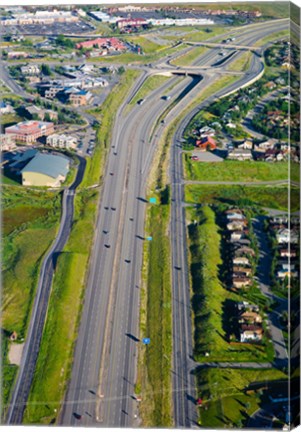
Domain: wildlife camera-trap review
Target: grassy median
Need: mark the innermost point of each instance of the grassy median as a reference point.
(154, 384)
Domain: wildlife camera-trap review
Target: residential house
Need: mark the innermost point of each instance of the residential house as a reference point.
(206, 143)
(265, 145)
(243, 305)
(6, 108)
(7, 142)
(288, 253)
(61, 141)
(251, 333)
(236, 224)
(244, 271)
(241, 281)
(287, 236)
(249, 317)
(241, 251)
(270, 85)
(247, 144)
(240, 154)
(279, 220)
(237, 235)
(273, 155)
(30, 131)
(242, 260)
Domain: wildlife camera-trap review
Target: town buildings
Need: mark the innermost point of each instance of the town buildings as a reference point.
(61, 141)
(29, 131)
(7, 142)
(31, 69)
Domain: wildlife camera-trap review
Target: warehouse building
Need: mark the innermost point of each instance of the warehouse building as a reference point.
(45, 170)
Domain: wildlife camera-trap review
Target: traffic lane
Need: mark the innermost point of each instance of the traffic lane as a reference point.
(116, 385)
(108, 198)
(121, 156)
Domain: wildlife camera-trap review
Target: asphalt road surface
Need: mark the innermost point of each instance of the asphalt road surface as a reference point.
(104, 370)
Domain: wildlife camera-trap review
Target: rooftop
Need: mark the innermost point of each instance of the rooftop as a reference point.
(48, 164)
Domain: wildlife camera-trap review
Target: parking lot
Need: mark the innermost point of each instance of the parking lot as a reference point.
(50, 29)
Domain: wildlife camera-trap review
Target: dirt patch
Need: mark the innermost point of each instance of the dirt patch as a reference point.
(15, 353)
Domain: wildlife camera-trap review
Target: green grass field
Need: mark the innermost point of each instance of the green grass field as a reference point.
(133, 58)
(237, 171)
(28, 232)
(201, 34)
(210, 324)
(227, 403)
(273, 37)
(30, 221)
(274, 197)
(148, 46)
(190, 57)
(55, 360)
(242, 63)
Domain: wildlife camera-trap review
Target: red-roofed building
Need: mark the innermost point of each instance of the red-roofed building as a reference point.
(131, 22)
(206, 143)
(30, 131)
(112, 44)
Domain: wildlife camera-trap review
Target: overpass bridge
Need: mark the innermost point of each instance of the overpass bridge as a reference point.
(222, 45)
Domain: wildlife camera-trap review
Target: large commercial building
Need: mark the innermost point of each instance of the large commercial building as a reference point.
(111, 44)
(29, 131)
(45, 170)
(41, 17)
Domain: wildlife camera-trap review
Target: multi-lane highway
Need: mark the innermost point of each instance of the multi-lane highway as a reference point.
(104, 370)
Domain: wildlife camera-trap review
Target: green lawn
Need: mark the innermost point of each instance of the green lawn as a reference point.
(132, 58)
(211, 323)
(9, 119)
(273, 37)
(196, 36)
(274, 197)
(189, 57)
(237, 171)
(150, 84)
(242, 63)
(148, 46)
(227, 403)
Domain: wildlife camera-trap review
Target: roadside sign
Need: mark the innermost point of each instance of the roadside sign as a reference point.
(149, 238)
(146, 341)
(153, 200)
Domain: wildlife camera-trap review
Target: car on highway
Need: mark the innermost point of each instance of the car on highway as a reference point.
(163, 121)
(166, 97)
(141, 101)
